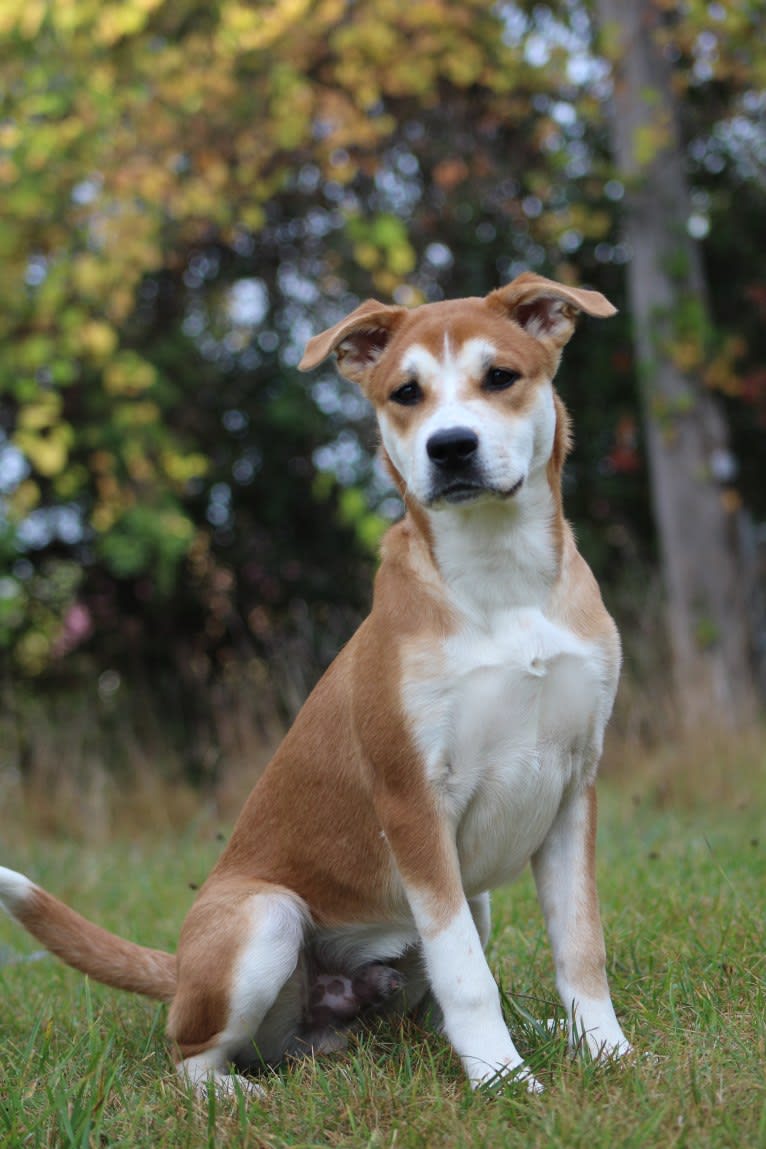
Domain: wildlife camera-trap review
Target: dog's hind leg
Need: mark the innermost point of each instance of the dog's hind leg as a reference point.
(481, 914)
(240, 946)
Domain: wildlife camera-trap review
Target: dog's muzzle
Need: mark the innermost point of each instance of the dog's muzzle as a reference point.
(456, 472)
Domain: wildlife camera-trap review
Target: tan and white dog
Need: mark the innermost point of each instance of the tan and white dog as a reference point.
(454, 739)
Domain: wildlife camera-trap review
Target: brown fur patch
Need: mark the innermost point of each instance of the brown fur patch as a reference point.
(562, 442)
(347, 772)
(578, 605)
(96, 952)
(589, 974)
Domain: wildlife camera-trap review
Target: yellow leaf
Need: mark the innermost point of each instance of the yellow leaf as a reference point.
(401, 259)
(32, 15)
(182, 468)
(686, 354)
(24, 499)
(366, 255)
(134, 414)
(49, 453)
(253, 217)
(41, 414)
(89, 275)
(103, 517)
(98, 340)
(129, 374)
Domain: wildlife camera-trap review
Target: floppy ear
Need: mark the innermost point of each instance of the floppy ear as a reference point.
(358, 340)
(546, 309)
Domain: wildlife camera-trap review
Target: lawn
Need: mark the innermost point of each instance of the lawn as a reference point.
(682, 874)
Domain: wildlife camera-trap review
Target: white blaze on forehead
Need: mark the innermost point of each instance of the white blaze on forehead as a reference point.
(417, 360)
(454, 369)
(475, 356)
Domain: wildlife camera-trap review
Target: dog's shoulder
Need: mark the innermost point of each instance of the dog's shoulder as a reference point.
(408, 597)
(577, 604)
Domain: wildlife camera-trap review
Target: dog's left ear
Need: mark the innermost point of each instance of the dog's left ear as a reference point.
(546, 309)
(358, 341)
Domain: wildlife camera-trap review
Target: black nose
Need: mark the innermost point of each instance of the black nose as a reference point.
(452, 448)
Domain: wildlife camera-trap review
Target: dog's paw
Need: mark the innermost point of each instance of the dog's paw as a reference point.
(510, 1074)
(620, 1051)
(226, 1086)
(335, 997)
(376, 983)
(600, 1049)
(595, 1034)
(231, 1085)
(526, 1077)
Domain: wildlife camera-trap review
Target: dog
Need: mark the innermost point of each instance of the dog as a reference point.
(454, 739)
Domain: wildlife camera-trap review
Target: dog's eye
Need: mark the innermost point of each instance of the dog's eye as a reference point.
(498, 379)
(408, 394)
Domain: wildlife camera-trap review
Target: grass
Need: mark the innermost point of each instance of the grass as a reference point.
(682, 874)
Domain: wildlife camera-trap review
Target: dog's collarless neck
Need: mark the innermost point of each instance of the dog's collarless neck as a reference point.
(495, 555)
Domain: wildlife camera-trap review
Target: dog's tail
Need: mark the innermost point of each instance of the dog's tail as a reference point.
(78, 942)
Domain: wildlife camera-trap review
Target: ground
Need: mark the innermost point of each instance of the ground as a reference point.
(682, 874)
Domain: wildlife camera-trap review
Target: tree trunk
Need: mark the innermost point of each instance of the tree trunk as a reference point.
(686, 433)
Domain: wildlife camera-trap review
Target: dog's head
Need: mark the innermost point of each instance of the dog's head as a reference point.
(463, 389)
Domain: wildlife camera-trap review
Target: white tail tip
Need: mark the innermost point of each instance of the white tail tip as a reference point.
(14, 890)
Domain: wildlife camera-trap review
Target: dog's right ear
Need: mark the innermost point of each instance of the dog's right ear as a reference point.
(358, 340)
(546, 309)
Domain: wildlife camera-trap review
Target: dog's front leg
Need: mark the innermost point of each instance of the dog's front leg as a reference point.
(453, 950)
(565, 873)
(466, 992)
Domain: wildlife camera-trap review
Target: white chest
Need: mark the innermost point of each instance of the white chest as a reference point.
(505, 719)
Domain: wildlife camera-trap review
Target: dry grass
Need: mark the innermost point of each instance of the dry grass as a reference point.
(90, 765)
(89, 799)
(708, 769)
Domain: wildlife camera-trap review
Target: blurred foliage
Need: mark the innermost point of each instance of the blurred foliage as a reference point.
(190, 190)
